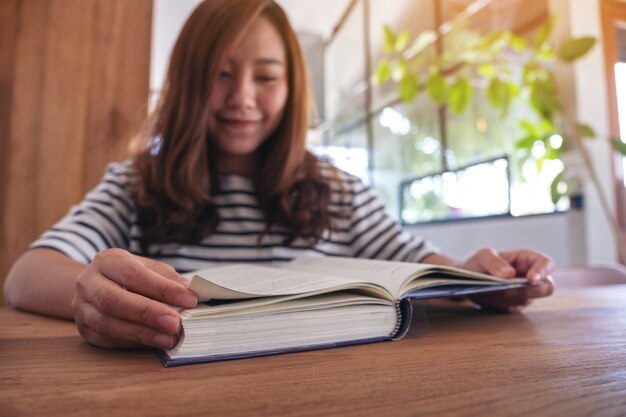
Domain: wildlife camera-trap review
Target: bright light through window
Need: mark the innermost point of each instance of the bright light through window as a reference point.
(475, 191)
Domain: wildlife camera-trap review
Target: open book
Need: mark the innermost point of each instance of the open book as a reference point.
(311, 303)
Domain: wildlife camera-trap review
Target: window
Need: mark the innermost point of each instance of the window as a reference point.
(415, 154)
(478, 190)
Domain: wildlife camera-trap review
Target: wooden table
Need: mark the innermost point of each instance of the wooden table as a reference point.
(566, 356)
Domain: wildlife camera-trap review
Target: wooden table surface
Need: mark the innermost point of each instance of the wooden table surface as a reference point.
(565, 356)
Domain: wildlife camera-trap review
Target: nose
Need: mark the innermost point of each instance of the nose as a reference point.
(242, 93)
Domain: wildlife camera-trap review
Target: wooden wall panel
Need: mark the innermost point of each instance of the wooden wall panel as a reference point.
(613, 15)
(21, 148)
(68, 50)
(8, 47)
(113, 119)
(74, 78)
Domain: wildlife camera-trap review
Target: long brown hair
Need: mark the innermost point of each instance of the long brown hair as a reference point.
(177, 178)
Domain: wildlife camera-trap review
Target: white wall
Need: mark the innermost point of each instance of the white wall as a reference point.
(592, 108)
(559, 235)
(167, 20)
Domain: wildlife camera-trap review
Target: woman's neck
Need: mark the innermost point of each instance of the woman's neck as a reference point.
(243, 165)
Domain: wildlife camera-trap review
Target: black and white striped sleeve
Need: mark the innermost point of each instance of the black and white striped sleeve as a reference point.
(375, 235)
(102, 220)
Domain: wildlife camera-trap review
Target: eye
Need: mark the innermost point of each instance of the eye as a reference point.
(224, 74)
(266, 78)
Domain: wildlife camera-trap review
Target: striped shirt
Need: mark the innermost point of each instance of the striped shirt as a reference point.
(106, 218)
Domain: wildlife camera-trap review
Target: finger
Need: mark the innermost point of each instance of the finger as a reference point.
(530, 264)
(515, 296)
(504, 301)
(543, 289)
(522, 260)
(106, 331)
(114, 301)
(95, 339)
(129, 272)
(491, 262)
(540, 269)
(166, 270)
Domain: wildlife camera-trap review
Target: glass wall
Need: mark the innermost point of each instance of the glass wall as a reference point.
(345, 137)
(401, 148)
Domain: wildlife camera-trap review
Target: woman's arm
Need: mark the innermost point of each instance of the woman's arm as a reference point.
(42, 281)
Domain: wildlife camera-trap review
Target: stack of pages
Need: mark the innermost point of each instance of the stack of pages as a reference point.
(311, 303)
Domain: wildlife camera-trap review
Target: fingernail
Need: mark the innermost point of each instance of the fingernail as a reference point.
(186, 300)
(535, 279)
(164, 341)
(169, 323)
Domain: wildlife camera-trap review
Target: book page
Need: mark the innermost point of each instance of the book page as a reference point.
(388, 274)
(234, 282)
(285, 303)
(397, 277)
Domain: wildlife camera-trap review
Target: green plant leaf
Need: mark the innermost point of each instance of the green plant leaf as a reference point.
(437, 88)
(382, 74)
(495, 41)
(497, 93)
(519, 43)
(546, 55)
(546, 125)
(540, 163)
(514, 89)
(422, 41)
(585, 130)
(555, 194)
(551, 153)
(526, 143)
(408, 87)
(501, 93)
(574, 49)
(460, 95)
(389, 39)
(618, 145)
(530, 128)
(487, 70)
(532, 72)
(544, 34)
(401, 41)
(543, 97)
(399, 71)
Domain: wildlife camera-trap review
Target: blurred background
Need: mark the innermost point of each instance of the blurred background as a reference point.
(78, 76)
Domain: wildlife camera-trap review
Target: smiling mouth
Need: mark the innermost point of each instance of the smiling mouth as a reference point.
(236, 120)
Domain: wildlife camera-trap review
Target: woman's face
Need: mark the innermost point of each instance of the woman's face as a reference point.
(249, 97)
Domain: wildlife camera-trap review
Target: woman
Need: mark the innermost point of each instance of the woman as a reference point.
(224, 177)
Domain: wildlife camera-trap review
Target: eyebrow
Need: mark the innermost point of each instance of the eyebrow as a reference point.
(269, 61)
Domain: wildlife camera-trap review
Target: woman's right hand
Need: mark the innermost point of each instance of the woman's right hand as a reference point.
(123, 301)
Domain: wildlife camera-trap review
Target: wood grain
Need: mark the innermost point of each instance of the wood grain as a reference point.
(75, 83)
(565, 356)
(8, 48)
(613, 16)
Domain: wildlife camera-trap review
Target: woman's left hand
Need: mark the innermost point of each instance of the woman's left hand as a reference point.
(532, 265)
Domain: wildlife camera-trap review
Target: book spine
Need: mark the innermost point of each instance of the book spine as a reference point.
(168, 361)
(405, 314)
